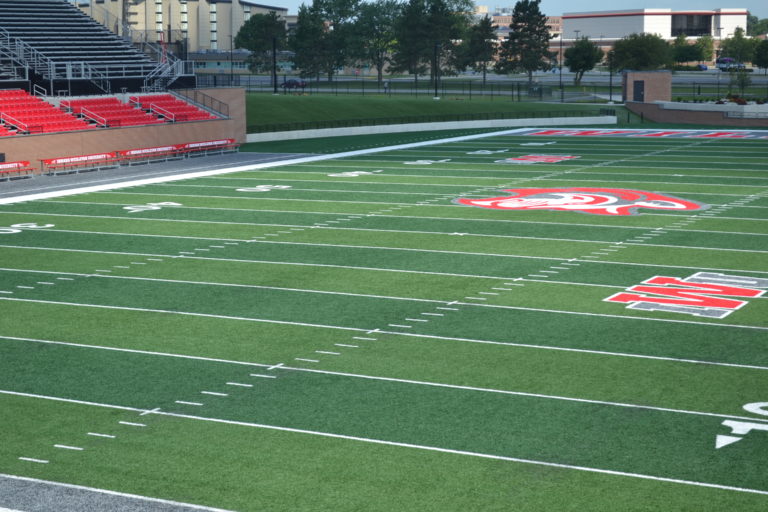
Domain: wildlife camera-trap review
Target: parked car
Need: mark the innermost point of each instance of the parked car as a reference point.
(728, 64)
(293, 84)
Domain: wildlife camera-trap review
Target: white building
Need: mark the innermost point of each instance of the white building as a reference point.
(666, 23)
(201, 24)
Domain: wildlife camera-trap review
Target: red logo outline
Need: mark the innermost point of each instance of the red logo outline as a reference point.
(592, 200)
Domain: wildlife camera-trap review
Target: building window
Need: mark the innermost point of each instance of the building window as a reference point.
(691, 24)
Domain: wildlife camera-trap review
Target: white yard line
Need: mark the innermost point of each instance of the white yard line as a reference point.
(362, 338)
(325, 326)
(426, 448)
(491, 189)
(270, 262)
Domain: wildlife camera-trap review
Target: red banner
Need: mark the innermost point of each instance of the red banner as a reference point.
(14, 165)
(79, 159)
(206, 144)
(147, 151)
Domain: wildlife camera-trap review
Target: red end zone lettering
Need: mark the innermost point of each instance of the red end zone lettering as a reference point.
(721, 135)
(538, 159)
(660, 134)
(583, 133)
(696, 296)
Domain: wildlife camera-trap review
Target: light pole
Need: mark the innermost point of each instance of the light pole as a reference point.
(231, 58)
(562, 91)
(610, 76)
(717, 57)
(437, 68)
(274, 65)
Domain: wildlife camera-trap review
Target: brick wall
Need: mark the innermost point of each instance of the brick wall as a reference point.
(37, 147)
(657, 85)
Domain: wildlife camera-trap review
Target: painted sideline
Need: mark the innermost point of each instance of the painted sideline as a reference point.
(110, 493)
(241, 168)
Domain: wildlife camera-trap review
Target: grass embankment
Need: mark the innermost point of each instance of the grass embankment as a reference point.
(282, 109)
(267, 109)
(263, 110)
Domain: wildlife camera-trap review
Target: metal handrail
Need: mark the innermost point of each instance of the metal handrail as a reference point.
(200, 99)
(9, 119)
(94, 116)
(162, 111)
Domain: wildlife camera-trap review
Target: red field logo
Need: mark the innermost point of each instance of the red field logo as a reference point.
(537, 159)
(704, 294)
(599, 201)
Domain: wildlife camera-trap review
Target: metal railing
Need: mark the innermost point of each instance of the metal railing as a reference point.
(101, 121)
(10, 120)
(157, 109)
(163, 72)
(199, 98)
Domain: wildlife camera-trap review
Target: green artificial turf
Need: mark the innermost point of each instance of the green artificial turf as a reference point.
(365, 343)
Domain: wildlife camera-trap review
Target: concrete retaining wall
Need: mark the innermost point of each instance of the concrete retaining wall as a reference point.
(656, 113)
(421, 127)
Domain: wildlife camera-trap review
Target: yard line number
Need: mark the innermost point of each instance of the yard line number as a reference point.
(18, 228)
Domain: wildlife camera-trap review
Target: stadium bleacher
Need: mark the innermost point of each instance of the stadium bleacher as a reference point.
(110, 111)
(63, 34)
(30, 114)
(171, 108)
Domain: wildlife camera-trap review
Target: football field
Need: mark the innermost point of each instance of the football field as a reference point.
(533, 320)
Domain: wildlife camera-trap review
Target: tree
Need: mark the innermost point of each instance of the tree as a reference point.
(581, 57)
(706, 46)
(684, 52)
(309, 43)
(257, 35)
(479, 48)
(447, 22)
(527, 46)
(739, 47)
(741, 79)
(374, 33)
(761, 55)
(339, 15)
(427, 29)
(412, 44)
(756, 27)
(641, 52)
